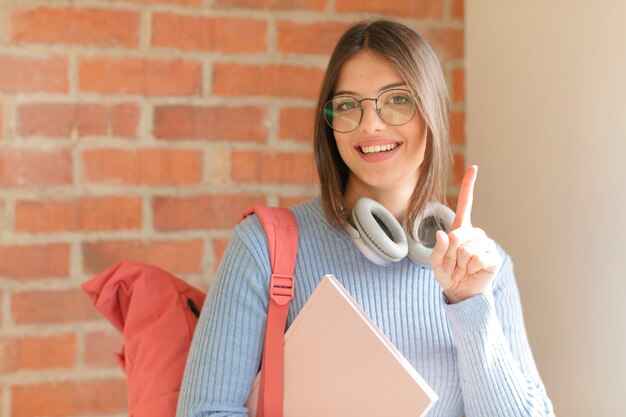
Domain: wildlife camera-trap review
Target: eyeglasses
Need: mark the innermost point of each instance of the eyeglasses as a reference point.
(395, 107)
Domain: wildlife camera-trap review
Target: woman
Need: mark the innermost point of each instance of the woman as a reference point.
(382, 133)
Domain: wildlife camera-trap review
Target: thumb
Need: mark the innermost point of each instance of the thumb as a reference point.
(440, 249)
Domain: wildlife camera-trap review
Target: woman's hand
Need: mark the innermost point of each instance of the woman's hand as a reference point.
(465, 260)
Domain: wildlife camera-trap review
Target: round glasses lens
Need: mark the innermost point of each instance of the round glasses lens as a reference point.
(343, 113)
(396, 107)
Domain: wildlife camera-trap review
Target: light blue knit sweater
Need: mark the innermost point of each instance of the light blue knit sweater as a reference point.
(474, 354)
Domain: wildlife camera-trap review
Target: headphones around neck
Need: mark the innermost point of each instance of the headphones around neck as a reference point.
(381, 238)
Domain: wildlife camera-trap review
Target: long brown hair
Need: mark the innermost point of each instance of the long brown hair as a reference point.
(417, 63)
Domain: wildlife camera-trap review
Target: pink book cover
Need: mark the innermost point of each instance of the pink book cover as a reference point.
(337, 363)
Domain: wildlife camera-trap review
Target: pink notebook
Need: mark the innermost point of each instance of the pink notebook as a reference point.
(337, 363)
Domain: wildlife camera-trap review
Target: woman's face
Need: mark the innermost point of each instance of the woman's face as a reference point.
(371, 171)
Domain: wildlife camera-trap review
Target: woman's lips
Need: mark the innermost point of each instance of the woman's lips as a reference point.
(377, 150)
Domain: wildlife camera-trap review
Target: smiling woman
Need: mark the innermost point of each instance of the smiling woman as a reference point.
(382, 138)
(374, 61)
(385, 148)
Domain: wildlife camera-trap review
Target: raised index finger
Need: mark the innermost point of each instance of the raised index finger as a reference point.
(466, 197)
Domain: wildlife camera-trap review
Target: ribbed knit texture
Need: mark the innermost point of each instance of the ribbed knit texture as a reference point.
(474, 354)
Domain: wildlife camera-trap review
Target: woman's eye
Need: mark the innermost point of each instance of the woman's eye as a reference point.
(399, 99)
(346, 105)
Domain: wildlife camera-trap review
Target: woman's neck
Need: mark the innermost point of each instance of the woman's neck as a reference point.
(395, 199)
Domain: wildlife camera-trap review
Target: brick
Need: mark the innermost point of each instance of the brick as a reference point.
(52, 307)
(48, 352)
(447, 43)
(285, 201)
(458, 9)
(457, 127)
(240, 123)
(27, 168)
(97, 27)
(297, 123)
(3, 225)
(228, 35)
(405, 9)
(175, 256)
(143, 166)
(82, 214)
(101, 347)
(22, 74)
(66, 398)
(458, 85)
(273, 167)
(35, 261)
(202, 211)
(62, 120)
(458, 170)
(173, 2)
(309, 38)
(144, 76)
(124, 120)
(267, 80)
(219, 248)
(1, 121)
(317, 5)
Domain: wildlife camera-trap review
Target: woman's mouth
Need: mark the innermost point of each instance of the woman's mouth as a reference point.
(378, 148)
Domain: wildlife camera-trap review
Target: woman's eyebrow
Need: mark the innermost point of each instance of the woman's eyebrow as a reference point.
(394, 85)
(386, 87)
(345, 92)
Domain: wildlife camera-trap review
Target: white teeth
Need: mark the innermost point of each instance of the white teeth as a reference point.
(378, 148)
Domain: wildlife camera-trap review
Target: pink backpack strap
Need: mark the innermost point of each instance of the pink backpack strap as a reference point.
(281, 230)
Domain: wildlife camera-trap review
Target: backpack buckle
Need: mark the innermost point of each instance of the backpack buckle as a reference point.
(281, 288)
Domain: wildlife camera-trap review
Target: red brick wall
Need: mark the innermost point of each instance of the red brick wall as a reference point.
(140, 129)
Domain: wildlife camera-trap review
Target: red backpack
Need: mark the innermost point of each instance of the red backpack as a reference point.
(158, 312)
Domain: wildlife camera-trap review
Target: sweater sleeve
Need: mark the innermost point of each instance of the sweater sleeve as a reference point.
(225, 353)
(496, 368)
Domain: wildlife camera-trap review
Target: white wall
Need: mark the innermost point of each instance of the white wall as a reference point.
(546, 106)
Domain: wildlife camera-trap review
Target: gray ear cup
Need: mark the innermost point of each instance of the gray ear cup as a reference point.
(378, 234)
(435, 217)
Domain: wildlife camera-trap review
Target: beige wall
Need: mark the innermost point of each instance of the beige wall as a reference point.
(546, 112)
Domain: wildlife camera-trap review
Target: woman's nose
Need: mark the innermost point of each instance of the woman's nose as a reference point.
(370, 119)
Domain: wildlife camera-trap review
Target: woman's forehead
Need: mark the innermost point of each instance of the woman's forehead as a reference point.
(366, 74)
